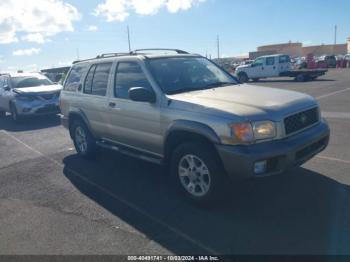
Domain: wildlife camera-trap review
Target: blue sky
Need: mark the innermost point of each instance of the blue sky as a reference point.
(188, 24)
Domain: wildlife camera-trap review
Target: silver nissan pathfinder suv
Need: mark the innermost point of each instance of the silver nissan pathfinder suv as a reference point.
(179, 109)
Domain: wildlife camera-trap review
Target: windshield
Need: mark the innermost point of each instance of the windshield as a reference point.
(183, 74)
(30, 81)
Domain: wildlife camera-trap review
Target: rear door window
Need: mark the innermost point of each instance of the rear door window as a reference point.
(284, 59)
(270, 61)
(100, 79)
(74, 77)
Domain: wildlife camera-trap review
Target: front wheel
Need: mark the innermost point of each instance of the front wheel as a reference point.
(243, 77)
(84, 142)
(198, 173)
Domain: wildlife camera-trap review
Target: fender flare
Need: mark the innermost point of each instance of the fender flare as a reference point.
(191, 127)
(81, 115)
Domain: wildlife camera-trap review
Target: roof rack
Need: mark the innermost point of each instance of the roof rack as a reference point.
(106, 55)
(159, 49)
(135, 52)
(111, 55)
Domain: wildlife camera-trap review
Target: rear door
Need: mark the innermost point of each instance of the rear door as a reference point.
(284, 63)
(270, 69)
(94, 100)
(134, 124)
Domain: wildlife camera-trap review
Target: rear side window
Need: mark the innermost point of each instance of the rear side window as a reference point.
(129, 74)
(74, 77)
(100, 79)
(270, 61)
(284, 59)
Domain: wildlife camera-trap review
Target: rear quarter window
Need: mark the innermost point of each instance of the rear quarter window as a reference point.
(74, 77)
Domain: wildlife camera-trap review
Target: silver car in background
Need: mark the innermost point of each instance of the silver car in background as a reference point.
(24, 94)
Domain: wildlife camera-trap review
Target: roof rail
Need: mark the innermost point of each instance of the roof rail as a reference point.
(159, 49)
(106, 55)
(111, 55)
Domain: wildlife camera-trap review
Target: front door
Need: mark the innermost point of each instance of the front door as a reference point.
(135, 124)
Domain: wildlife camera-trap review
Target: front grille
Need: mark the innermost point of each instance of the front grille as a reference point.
(301, 120)
(48, 109)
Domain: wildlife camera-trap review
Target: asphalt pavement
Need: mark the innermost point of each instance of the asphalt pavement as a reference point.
(53, 202)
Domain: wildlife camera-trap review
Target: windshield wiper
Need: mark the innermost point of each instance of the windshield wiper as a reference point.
(218, 84)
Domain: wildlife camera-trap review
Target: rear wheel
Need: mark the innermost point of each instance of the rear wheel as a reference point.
(197, 173)
(84, 142)
(243, 77)
(300, 78)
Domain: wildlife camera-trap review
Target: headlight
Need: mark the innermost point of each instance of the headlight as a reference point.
(264, 130)
(249, 132)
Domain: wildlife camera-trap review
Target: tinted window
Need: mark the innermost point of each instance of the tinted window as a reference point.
(129, 74)
(74, 77)
(100, 79)
(284, 59)
(270, 61)
(30, 81)
(88, 80)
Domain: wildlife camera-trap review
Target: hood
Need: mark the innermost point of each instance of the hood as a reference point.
(243, 66)
(243, 101)
(38, 89)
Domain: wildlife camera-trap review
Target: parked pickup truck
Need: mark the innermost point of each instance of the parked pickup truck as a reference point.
(275, 66)
(183, 111)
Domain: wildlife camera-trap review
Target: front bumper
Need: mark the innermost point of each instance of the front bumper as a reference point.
(37, 107)
(281, 154)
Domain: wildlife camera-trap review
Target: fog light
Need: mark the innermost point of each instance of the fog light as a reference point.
(260, 167)
(26, 110)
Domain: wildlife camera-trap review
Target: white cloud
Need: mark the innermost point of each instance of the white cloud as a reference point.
(35, 38)
(26, 52)
(119, 10)
(38, 19)
(92, 28)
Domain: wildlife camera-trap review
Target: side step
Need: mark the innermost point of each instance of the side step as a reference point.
(130, 152)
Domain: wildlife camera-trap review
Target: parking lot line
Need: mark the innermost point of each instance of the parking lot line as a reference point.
(332, 93)
(334, 159)
(121, 200)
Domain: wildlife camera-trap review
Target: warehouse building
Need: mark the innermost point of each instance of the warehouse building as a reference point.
(297, 49)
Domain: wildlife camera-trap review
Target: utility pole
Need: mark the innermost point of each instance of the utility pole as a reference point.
(335, 34)
(218, 46)
(129, 39)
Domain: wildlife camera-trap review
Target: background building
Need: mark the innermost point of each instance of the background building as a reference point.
(297, 49)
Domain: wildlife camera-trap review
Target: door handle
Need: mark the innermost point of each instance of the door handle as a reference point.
(112, 104)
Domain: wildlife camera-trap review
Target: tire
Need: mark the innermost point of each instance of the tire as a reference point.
(300, 78)
(198, 173)
(14, 113)
(255, 79)
(243, 77)
(84, 142)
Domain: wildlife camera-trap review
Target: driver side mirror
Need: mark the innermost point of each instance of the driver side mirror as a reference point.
(142, 94)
